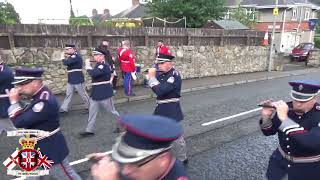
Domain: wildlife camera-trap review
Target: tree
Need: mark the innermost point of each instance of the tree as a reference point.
(243, 17)
(8, 14)
(197, 12)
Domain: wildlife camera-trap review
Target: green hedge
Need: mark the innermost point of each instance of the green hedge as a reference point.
(317, 42)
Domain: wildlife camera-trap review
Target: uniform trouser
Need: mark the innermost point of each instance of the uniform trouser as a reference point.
(181, 148)
(6, 125)
(114, 82)
(277, 168)
(94, 108)
(61, 171)
(70, 89)
(127, 83)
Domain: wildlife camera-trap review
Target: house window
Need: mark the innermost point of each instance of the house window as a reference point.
(227, 14)
(294, 14)
(307, 15)
(250, 13)
(143, 1)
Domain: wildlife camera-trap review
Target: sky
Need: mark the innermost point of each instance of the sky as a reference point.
(31, 11)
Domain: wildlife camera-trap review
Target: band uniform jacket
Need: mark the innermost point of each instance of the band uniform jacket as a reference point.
(42, 114)
(168, 91)
(127, 60)
(298, 137)
(101, 85)
(177, 172)
(74, 68)
(6, 78)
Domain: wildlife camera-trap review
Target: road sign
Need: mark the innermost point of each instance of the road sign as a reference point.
(276, 11)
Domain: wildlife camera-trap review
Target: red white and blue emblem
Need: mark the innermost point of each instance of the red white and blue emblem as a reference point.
(28, 159)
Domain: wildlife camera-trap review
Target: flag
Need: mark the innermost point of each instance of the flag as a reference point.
(11, 161)
(44, 162)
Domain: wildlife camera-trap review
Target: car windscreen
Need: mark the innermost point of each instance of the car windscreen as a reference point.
(307, 46)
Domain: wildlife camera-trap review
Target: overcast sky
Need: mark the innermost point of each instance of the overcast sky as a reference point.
(32, 10)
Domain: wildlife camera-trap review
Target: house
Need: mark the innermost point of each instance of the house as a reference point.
(137, 11)
(291, 23)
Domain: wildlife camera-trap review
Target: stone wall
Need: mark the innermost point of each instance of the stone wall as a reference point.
(314, 58)
(191, 61)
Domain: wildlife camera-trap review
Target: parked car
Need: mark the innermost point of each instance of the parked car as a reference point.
(301, 52)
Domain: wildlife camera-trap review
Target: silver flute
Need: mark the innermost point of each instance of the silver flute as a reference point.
(4, 95)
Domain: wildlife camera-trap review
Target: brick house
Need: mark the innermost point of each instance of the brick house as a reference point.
(291, 24)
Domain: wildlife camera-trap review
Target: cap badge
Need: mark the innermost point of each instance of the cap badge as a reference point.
(300, 87)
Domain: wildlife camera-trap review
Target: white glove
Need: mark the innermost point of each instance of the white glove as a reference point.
(88, 64)
(63, 55)
(147, 77)
(134, 76)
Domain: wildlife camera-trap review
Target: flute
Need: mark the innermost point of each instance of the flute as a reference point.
(146, 70)
(270, 106)
(4, 95)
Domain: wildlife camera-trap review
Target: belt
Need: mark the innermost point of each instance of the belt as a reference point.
(164, 101)
(99, 83)
(308, 159)
(74, 70)
(125, 61)
(50, 134)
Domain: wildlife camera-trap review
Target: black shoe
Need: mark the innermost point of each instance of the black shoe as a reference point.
(86, 134)
(185, 162)
(63, 112)
(118, 130)
(86, 111)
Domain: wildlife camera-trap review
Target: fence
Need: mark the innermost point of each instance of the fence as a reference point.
(42, 35)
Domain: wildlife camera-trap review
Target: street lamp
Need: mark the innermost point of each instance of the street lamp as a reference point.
(272, 40)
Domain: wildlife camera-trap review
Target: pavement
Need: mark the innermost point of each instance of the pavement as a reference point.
(196, 84)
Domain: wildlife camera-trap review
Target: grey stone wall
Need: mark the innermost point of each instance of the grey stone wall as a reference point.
(314, 58)
(191, 61)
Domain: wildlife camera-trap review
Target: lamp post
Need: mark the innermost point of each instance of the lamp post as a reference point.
(272, 40)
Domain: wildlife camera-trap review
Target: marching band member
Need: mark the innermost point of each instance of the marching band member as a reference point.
(73, 61)
(297, 125)
(41, 114)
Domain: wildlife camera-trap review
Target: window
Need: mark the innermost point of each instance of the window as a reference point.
(143, 1)
(294, 14)
(307, 15)
(250, 13)
(227, 15)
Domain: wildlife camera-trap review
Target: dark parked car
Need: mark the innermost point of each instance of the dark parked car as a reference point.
(301, 52)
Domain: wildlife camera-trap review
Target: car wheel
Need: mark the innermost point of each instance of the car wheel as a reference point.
(291, 59)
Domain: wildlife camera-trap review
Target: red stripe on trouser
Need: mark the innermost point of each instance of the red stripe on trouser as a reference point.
(65, 171)
(129, 90)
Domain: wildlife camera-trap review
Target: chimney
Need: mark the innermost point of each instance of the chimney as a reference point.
(135, 2)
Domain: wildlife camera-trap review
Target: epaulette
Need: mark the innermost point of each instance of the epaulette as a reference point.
(175, 73)
(45, 95)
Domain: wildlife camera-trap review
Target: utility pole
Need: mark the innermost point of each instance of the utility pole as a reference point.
(272, 39)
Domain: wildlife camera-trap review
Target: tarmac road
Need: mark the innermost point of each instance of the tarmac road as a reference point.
(232, 149)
